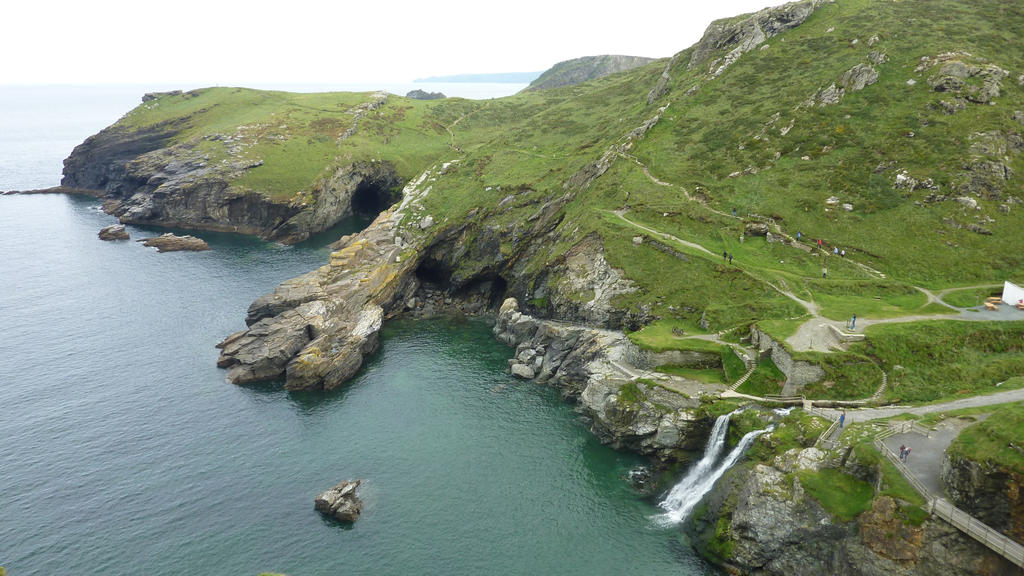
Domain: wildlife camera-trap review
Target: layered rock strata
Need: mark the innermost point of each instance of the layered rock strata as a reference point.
(587, 365)
(315, 330)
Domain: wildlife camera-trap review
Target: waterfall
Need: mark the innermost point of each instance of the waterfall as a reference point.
(701, 478)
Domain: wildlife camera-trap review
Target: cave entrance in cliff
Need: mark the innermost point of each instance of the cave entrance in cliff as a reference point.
(433, 273)
(371, 198)
(498, 288)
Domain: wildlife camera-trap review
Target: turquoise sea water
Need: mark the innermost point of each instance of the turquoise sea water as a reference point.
(123, 451)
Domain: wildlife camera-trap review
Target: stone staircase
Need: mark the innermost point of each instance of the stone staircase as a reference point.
(742, 380)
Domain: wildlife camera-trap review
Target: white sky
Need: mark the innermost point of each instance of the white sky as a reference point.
(307, 41)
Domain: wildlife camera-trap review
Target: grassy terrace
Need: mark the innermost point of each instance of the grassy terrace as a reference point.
(995, 440)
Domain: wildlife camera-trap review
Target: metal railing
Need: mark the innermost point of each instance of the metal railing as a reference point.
(980, 531)
(909, 426)
(994, 540)
(892, 457)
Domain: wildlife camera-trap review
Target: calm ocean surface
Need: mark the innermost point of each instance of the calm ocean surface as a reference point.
(123, 451)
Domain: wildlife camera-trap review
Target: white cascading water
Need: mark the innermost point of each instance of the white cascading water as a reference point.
(701, 478)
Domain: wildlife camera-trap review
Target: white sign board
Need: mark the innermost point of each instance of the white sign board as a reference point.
(1012, 293)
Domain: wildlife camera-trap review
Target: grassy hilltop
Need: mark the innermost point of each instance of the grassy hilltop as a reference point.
(890, 130)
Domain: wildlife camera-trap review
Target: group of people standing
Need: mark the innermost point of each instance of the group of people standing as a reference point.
(904, 452)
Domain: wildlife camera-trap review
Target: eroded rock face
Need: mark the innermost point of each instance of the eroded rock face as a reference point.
(749, 33)
(581, 360)
(315, 330)
(587, 285)
(172, 243)
(766, 523)
(341, 502)
(988, 492)
(151, 181)
(114, 232)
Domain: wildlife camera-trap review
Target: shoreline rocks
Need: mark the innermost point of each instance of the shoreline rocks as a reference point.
(170, 243)
(114, 232)
(340, 502)
(586, 364)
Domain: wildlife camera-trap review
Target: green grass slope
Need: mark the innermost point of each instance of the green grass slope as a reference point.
(930, 166)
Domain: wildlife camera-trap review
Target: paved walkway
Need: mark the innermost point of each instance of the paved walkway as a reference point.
(864, 414)
(926, 453)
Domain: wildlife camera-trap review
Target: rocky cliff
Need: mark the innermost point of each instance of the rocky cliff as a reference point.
(760, 519)
(586, 364)
(580, 70)
(988, 491)
(159, 174)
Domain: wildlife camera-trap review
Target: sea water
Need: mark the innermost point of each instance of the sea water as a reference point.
(124, 451)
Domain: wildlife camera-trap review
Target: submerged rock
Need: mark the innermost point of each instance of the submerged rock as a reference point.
(171, 243)
(341, 501)
(114, 232)
(640, 478)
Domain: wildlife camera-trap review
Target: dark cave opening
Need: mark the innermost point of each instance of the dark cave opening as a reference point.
(482, 292)
(370, 198)
(498, 288)
(432, 272)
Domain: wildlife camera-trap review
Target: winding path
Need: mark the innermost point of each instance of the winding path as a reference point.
(864, 414)
(822, 334)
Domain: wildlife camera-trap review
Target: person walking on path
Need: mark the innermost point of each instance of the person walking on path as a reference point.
(853, 322)
(725, 254)
(730, 258)
(798, 236)
(907, 454)
(835, 249)
(842, 419)
(842, 253)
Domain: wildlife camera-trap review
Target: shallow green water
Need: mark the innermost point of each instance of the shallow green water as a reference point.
(123, 451)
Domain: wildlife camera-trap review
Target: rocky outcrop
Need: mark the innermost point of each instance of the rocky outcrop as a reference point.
(340, 502)
(760, 520)
(798, 373)
(153, 176)
(853, 80)
(363, 187)
(587, 364)
(114, 232)
(424, 95)
(744, 34)
(987, 172)
(988, 492)
(172, 243)
(316, 329)
(585, 285)
(580, 70)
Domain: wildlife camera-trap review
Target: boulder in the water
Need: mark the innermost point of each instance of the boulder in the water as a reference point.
(171, 243)
(341, 502)
(114, 232)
